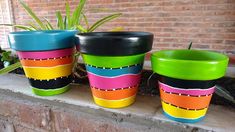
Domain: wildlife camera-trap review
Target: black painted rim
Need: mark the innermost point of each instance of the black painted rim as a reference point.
(186, 84)
(115, 43)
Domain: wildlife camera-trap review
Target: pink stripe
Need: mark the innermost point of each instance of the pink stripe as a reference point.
(195, 92)
(115, 82)
(45, 54)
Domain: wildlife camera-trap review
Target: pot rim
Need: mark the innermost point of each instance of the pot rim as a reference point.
(42, 40)
(115, 43)
(184, 64)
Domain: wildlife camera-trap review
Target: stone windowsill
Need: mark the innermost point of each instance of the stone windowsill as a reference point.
(145, 109)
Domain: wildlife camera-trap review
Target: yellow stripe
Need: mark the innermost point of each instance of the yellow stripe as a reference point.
(114, 103)
(182, 113)
(45, 73)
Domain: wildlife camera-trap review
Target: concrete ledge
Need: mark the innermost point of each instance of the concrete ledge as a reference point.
(75, 110)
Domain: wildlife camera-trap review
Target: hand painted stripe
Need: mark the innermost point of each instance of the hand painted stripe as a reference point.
(50, 84)
(45, 73)
(113, 83)
(185, 84)
(114, 103)
(195, 92)
(186, 102)
(182, 113)
(45, 54)
(49, 92)
(183, 120)
(114, 95)
(47, 63)
(114, 72)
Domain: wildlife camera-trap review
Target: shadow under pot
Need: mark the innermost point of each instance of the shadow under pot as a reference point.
(187, 81)
(46, 57)
(114, 62)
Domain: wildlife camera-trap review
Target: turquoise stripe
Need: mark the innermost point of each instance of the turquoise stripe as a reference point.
(183, 120)
(114, 72)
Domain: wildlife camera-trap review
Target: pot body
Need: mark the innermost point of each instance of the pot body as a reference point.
(114, 80)
(114, 62)
(187, 81)
(47, 59)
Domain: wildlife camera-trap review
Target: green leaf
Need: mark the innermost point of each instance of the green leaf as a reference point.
(77, 13)
(103, 20)
(19, 26)
(60, 23)
(48, 24)
(190, 45)
(85, 20)
(33, 26)
(224, 93)
(68, 15)
(117, 29)
(6, 56)
(33, 15)
(65, 22)
(10, 68)
(81, 29)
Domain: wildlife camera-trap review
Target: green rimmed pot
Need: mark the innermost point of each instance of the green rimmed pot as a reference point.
(114, 63)
(46, 57)
(187, 81)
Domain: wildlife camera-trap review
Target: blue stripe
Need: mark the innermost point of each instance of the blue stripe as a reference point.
(183, 120)
(114, 72)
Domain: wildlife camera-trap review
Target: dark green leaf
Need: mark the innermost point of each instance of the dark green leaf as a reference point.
(190, 45)
(103, 20)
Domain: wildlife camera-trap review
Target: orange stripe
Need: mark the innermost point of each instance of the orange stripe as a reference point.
(114, 95)
(47, 63)
(186, 101)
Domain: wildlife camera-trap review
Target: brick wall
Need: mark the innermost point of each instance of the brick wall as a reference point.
(209, 24)
(5, 17)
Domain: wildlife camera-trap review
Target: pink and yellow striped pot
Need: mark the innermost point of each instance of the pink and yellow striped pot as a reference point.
(187, 81)
(114, 63)
(46, 57)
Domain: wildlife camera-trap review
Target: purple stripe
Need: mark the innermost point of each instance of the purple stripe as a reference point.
(45, 54)
(114, 82)
(195, 92)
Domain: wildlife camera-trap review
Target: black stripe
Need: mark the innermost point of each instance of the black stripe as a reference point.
(50, 84)
(186, 84)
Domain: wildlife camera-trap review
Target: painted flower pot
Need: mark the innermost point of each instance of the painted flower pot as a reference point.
(114, 62)
(187, 81)
(46, 57)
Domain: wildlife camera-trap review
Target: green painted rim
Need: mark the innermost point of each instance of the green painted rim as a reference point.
(113, 61)
(189, 64)
(50, 92)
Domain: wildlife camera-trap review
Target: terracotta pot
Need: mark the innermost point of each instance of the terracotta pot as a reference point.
(187, 81)
(46, 57)
(114, 62)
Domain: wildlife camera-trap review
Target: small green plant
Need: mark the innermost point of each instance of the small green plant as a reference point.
(71, 21)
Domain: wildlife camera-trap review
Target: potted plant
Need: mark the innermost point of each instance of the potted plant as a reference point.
(46, 57)
(187, 81)
(48, 62)
(114, 62)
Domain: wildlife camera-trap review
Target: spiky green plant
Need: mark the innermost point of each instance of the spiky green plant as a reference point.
(71, 21)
